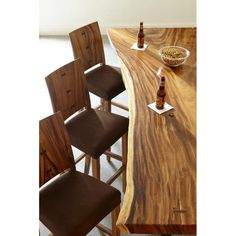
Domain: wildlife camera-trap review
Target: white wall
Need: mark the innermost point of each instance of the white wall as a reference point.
(59, 17)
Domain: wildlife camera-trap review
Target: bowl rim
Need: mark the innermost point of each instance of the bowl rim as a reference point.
(173, 46)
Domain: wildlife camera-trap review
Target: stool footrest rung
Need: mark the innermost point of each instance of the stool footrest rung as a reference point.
(104, 229)
(117, 173)
(120, 105)
(79, 158)
(113, 155)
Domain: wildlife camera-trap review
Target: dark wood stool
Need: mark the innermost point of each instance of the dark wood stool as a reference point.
(105, 81)
(71, 203)
(92, 131)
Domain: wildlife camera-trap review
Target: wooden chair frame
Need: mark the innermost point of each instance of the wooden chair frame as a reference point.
(69, 94)
(87, 44)
(54, 142)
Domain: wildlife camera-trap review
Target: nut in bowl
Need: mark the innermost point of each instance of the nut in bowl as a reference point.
(174, 55)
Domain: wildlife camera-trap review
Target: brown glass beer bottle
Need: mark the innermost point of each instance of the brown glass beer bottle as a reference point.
(161, 93)
(140, 36)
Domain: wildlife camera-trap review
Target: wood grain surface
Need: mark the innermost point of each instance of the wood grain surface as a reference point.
(55, 152)
(161, 170)
(87, 45)
(67, 89)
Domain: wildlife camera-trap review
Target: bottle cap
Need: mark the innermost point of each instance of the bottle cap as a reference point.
(163, 78)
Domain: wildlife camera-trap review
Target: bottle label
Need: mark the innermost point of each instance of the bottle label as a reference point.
(160, 101)
(140, 42)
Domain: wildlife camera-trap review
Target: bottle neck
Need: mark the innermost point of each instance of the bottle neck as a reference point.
(141, 27)
(162, 85)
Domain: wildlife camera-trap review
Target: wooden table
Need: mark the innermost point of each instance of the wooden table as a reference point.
(161, 170)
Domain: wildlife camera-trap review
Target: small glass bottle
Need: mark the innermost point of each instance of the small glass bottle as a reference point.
(161, 93)
(140, 43)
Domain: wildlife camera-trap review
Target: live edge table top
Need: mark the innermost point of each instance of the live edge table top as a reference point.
(161, 169)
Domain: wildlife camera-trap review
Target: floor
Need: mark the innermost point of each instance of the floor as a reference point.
(55, 52)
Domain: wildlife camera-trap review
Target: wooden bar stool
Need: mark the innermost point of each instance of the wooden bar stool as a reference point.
(92, 131)
(72, 203)
(104, 81)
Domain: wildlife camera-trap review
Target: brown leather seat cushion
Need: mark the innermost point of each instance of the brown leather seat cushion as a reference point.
(94, 131)
(75, 203)
(105, 82)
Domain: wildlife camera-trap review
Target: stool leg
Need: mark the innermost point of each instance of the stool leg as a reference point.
(115, 214)
(108, 157)
(96, 168)
(124, 158)
(103, 104)
(107, 107)
(87, 164)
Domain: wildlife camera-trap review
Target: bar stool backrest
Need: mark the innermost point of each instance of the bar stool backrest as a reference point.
(55, 153)
(87, 44)
(67, 89)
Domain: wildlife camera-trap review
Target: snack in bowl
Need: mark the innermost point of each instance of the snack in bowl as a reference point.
(174, 55)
